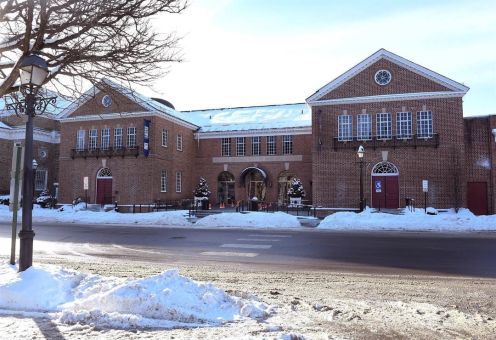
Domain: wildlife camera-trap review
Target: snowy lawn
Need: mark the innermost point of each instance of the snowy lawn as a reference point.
(165, 300)
(464, 220)
(250, 219)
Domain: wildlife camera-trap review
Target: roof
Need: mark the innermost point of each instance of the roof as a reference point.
(251, 118)
(384, 54)
(52, 111)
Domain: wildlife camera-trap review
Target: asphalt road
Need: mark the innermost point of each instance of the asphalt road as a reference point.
(458, 254)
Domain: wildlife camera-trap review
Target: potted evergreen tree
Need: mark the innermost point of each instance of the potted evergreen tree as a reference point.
(202, 193)
(295, 192)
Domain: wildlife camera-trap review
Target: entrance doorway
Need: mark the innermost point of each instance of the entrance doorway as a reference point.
(284, 182)
(385, 186)
(225, 188)
(104, 186)
(254, 181)
(477, 198)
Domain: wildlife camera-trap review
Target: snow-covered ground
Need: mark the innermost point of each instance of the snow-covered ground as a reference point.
(165, 300)
(464, 220)
(251, 219)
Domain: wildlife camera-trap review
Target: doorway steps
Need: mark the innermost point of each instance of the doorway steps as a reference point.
(399, 211)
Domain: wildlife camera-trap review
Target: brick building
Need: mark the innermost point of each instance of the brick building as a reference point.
(137, 150)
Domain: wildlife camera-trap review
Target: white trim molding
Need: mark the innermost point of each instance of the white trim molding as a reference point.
(121, 115)
(52, 137)
(396, 59)
(307, 130)
(388, 98)
(258, 159)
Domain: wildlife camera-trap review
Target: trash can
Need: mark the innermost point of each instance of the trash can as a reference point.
(254, 205)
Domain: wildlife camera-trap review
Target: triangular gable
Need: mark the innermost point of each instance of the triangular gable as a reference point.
(382, 54)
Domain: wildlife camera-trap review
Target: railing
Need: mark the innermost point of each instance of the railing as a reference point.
(414, 141)
(107, 152)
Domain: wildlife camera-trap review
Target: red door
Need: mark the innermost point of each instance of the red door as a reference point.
(477, 197)
(104, 191)
(385, 192)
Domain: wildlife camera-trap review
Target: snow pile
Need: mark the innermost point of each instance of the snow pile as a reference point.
(78, 214)
(464, 220)
(251, 219)
(164, 300)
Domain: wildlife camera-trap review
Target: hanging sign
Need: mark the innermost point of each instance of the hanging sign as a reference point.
(378, 186)
(425, 185)
(146, 138)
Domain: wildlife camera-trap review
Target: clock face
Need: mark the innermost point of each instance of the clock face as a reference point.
(106, 100)
(382, 77)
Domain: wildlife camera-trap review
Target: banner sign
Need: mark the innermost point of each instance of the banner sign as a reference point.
(378, 186)
(146, 138)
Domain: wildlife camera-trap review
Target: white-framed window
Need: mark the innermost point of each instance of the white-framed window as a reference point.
(383, 125)
(105, 138)
(93, 139)
(364, 126)
(179, 181)
(118, 138)
(255, 145)
(40, 179)
(240, 146)
(424, 124)
(80, 140)
(163, 181)
(287, 144)
(165, 137)
(131, 137)
(404, 124)
(226, 147)
(179, 142)
(345, 128)
(271, 145)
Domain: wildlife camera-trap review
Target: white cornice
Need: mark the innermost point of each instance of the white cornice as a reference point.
(387, 98)
(126, 115)
(255, 133)
(402, 62)
(52, 137)
(258, 159)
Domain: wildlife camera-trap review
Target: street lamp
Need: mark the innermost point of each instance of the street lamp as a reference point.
(361, 153)
(33, 73)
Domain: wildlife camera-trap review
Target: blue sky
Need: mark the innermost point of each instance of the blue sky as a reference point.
(255, 52)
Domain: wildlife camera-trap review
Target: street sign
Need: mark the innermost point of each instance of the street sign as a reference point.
(378, 186)
(86, 183)
(16, 174)
(425, 185)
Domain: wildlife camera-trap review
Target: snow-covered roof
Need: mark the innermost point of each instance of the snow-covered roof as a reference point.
(251, 118)
(53, 111)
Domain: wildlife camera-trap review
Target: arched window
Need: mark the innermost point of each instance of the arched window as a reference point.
(385, 169)
(104, 173)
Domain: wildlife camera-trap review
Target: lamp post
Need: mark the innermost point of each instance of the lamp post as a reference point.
(33, 73)
(361, 153)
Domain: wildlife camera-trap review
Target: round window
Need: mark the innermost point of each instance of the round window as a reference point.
(382, 77)
(106, 100)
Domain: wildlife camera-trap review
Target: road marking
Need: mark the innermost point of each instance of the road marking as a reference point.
(257, 240)
(139, 250)
(266, 235)
(248, 246)
(228, 253)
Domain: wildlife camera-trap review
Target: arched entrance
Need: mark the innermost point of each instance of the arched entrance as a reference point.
(385, 186)
(254, 180)
(225, 188)
(104, 186)
(284, 182)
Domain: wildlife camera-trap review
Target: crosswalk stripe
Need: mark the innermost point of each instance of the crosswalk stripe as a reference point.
(257, 240)
(228, 253)
(248, 246)
(266, 235)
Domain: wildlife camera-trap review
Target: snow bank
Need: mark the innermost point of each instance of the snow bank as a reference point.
(464, 220)
(250, 219)
(77, 214)
(164, 300)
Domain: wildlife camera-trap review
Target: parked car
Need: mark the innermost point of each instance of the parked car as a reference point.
(5, 199)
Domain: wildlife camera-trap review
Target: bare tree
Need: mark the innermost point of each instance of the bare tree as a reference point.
(86, 40)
